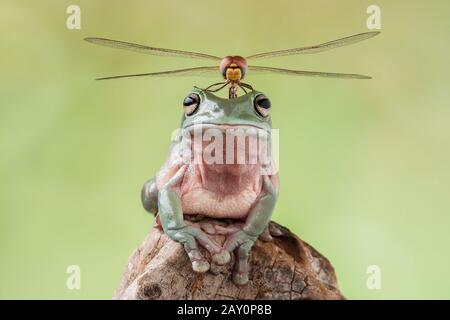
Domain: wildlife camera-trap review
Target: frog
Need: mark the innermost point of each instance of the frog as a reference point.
(244, 192)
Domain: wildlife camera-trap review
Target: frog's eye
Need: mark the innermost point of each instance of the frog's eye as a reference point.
(191, 103)
(262, 105)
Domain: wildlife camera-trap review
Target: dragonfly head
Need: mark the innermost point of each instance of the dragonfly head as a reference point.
(233, 68)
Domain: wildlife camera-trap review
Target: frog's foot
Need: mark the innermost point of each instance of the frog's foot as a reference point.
(189, 236)
(221, 257)
(269, 232)
(212, 228)
(224, 256)
(241, 242)
(242, 267)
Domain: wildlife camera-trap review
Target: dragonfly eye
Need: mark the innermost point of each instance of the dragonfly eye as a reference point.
(262, 105)
(191, 103)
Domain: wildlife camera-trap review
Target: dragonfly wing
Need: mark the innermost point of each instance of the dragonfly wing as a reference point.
(258, 69)
(317, 48)
(182, 72)
(149, 50)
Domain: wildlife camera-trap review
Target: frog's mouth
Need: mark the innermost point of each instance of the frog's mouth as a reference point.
(225, 126)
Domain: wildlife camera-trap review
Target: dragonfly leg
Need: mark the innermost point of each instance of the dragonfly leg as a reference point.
(223, 85)
(243, 88)
(246, 85)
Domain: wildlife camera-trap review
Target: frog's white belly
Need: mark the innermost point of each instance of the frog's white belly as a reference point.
(208, 203)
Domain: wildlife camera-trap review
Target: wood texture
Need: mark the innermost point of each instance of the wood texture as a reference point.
(285, 268)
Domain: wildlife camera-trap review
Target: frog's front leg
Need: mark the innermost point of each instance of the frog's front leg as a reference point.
(172, 221)
(257, 221)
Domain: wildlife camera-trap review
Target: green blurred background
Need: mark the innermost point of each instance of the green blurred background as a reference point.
(364, 165)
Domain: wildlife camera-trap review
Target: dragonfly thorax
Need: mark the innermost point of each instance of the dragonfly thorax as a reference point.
(233, 68)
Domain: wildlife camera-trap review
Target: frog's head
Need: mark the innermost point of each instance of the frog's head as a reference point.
(204, 108)
(228, 135)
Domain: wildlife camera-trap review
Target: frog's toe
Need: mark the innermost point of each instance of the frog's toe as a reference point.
(208, 228)
(200, 266)
(266, 236)
(240, 278)
(242, 268)
(274, 230)
(199, 263)
(221, 258)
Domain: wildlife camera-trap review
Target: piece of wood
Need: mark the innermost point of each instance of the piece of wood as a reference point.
(285, 268)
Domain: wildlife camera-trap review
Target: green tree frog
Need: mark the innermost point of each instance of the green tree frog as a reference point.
(220, 166)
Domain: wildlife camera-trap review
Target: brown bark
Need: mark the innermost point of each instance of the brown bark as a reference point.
(285, 268)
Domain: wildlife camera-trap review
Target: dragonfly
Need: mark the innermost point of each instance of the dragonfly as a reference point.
(234, 68)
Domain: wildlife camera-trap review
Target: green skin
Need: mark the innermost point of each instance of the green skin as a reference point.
(163, 194)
